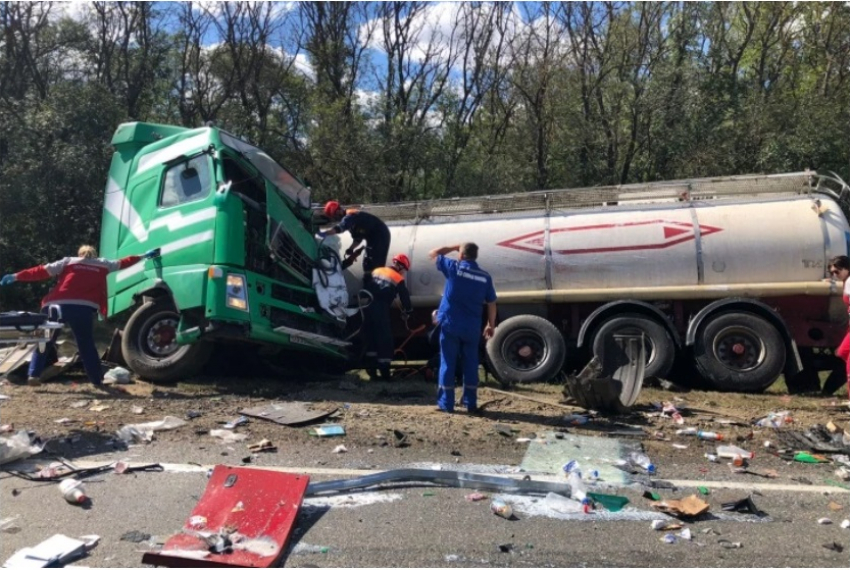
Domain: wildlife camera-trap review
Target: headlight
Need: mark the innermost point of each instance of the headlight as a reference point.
(237, 297)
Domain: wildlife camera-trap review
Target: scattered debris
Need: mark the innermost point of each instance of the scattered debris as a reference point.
(288, 413)
(135, 536)
(834, 546)
(833, 506)
(19, 446)
(233, 424)
(745, 505)
(691, 506)
(262, 445)
(340, 449)
(669, 538)
(98, 407)
(575, 419)
(138, 410)
(843, 473)
(400, 439)
(729, 544)
(117, 375)
(612, 503)
(502, 509)
(506, 548)
(775, 420)
(79, 404)
(57, 550)
(665, 525)
(327, 430)
(803, 457)
(8, 525)
(192, 414)
(64, 421)
(228, 436)
(733, 451)
(845, 524)
(824, 520)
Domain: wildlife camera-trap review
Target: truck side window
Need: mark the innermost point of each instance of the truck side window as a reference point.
(186, 182)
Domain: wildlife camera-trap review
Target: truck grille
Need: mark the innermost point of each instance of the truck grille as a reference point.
(285, 251)
(293, 296)
(282, 317)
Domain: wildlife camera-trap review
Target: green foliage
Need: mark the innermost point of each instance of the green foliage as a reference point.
(593, 93)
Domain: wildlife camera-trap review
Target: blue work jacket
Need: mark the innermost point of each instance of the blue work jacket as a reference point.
(468, 287)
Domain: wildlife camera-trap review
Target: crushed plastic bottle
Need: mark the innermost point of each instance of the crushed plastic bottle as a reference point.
(637, 459)
(710, 435)
(775, 420)
(570, 466)
(578, 490)
(712, 457)
(73, 491)
(501, 508)
(731, 451)
(562, 504)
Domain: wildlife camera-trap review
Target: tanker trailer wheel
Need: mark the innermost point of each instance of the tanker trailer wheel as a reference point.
(149, 344)
(660, 349)
(739, 352)
(526, 348)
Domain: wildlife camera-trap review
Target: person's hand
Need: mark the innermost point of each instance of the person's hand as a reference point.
(321, 235)
(489, 331)
(350, 251)
(8, 279)
(151, 253)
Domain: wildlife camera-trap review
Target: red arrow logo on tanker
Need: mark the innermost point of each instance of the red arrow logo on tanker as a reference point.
(634, 236)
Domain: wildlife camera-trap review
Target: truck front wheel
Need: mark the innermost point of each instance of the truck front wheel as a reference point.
(660, 349)
(739, 352)
(526, 348)
(149, 344)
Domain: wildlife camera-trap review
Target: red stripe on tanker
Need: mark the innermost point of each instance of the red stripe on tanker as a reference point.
(635, 236)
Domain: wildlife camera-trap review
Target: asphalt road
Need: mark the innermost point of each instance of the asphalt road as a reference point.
(416, 526)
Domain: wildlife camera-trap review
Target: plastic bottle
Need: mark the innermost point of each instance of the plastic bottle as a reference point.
(711, 457)
(710, 436)
(578, 491)
(73, 491)
(731, 451)
(640, 460)
(501, 508)
(570, 466)
(687, 431)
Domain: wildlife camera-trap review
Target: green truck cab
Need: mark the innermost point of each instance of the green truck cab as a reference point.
(237, 251)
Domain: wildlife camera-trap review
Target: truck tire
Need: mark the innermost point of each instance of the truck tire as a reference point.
(739, 352)
(660, 349)
(526, 348)
(149, 344)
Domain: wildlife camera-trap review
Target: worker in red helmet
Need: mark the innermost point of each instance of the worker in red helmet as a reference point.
(363, 226)
(386, 284)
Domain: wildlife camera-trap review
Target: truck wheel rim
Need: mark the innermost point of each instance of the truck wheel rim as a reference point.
(648, 344)
(739, 349)
(161, 339)
(524, 350)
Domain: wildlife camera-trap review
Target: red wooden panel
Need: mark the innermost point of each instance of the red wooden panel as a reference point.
(256, 507)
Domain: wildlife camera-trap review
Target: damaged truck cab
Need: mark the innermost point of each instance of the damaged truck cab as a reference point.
(235, 232)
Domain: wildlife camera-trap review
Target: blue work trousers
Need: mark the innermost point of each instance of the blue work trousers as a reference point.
(456, 350)
(81, 320)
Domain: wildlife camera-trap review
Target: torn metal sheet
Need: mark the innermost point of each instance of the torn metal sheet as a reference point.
(243, 520)
(444, 478)
(15, 357)
(287, 413)
(613, 380)
(549, 453)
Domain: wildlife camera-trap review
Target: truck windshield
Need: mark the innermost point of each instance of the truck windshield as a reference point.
(282, 179)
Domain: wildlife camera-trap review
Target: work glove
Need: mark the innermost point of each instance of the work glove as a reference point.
(8, 279)
(350, 251)
(150, 254)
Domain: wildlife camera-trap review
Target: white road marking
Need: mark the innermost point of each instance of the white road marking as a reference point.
(351, 473)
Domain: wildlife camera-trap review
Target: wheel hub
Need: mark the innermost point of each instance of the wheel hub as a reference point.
(162, 337)
(739, 349)
(525, 350)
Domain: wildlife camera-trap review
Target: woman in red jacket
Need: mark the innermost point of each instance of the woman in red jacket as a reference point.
(79, 292)
(839, 270)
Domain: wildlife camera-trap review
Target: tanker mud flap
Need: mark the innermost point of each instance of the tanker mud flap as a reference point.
(243, 520)
(614, 384)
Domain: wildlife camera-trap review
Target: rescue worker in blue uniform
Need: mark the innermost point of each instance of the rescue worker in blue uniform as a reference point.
(468, 289)
(386, 284)
(363, 226)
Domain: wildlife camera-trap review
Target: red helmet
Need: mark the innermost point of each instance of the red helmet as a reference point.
(331, 208)
(402, 260)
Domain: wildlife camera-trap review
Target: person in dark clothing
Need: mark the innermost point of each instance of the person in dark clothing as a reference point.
(386, 284)
(363, 226)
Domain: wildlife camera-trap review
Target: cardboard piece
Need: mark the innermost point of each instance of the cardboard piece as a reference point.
(55, 551)
(691, 506)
